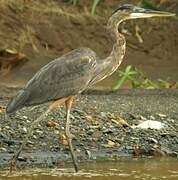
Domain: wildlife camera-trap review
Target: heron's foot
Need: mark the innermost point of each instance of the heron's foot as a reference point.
(74, 158)
(76, 167)
(12, 164)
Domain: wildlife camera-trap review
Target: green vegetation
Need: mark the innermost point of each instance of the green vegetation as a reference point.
(74, 2)
(137, 79)
(95, 3)
(147, 4)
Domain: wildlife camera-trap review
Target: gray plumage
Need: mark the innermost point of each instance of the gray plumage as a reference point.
(62, 77)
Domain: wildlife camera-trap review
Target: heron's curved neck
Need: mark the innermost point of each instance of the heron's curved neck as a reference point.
(118, 51)
(107, 66)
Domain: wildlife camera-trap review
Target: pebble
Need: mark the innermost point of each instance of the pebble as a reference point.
(90, 132)
(56, 132)
(39, 132)
(143, 118)
(34, 137)
(88, 153)
(2, 149)
(152, 117)
(24, 130)
(7, 127)
(153, 140)
(3, 136)
(91, 135)
(10, 142)
(103, 114)
(22, 158)
(161, 115)
(129, 147)
(25, 117)
(30, 142)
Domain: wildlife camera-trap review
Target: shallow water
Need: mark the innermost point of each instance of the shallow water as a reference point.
(130, 169)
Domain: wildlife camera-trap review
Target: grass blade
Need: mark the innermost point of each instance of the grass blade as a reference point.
(95, 3)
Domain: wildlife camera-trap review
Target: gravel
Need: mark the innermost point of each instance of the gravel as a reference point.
(101, 124)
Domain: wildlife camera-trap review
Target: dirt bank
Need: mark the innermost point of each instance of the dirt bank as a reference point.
(44, 30)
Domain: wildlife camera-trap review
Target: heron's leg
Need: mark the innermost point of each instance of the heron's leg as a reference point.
(68, 135)
(30, 130)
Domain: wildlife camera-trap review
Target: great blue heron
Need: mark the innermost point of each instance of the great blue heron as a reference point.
(65, 77)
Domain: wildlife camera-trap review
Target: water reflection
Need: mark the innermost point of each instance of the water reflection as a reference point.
(125, 169)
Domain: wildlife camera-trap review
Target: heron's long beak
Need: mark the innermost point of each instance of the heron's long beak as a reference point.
(144, 13)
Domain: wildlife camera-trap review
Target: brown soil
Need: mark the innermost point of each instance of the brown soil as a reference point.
(44, 30)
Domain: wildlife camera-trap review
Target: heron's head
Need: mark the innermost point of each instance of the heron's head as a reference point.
(130, 11)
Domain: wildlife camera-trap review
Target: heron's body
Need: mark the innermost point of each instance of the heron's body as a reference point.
(63, 78)
(71, 73)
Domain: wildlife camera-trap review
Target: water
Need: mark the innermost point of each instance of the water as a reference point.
(125, 169)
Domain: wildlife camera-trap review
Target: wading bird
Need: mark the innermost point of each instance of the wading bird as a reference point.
(63, 78)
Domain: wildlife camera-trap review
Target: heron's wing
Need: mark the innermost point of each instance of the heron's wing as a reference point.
(62, 77)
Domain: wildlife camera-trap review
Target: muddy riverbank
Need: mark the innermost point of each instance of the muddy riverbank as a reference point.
(44, 30)
(103, 125)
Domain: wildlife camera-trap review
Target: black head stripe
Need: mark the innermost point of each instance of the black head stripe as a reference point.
(124, 7)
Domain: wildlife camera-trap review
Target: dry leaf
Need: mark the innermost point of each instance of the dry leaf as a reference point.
(9, 59)
(2, 109)
(89, 118)
(123, 122)
(52, 124)
(137, 34)
(111, 143)
(63, 139)
(118, 120)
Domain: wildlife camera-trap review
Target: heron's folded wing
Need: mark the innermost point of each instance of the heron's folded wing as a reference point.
(62, 77)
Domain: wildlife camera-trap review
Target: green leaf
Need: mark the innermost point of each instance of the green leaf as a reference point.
(95, 3)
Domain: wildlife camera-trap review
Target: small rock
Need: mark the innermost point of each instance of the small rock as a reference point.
(25, 117)
(39, 132)
(24, 130)
(88, 153)
(24, 159)
(153, 140)
(7, 127)
(30, 142)
(3, 136)
(56, 132)
(34, 137)
(143, 118)
(89, 118)
(103, 114)
(10, 142)
(129, 147)
(2, 149)
(152, 117)
(90, 132)
(161, 115)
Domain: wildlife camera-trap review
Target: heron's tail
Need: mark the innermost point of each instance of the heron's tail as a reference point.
(17, 102)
